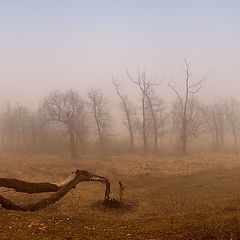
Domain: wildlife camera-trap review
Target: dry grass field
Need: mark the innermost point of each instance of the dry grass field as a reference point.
(172, 197)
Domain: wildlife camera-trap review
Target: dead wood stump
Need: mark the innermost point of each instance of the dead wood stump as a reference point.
(60, 189)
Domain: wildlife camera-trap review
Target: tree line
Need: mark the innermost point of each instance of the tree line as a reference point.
(67, 122)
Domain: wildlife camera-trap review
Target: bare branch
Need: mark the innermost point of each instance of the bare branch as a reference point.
(173, 87)
(200, 82)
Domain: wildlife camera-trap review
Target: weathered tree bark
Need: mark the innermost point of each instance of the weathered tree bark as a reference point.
(60, 189)
(126, 110)
(73, 149)
(28, 187)
(103, 180)
(100, 110)
(121, 193)
(190, 89)
(155, 130)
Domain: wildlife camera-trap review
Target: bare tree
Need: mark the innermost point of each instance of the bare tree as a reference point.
(127, 109)
(195, 121)
(162, 117)
(15, 127)
(69, 109)
(232, 111)
(183, 101)
(22, 129)
(146, 87)
(215, 119)
(100, 109)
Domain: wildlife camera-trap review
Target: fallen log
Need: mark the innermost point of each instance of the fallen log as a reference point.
(28, 187)
(62, 189)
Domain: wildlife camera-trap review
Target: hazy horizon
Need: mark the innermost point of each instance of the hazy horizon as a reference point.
(99, 160)
(48, 45)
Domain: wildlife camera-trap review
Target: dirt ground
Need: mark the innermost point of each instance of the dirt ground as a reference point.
(157, 188)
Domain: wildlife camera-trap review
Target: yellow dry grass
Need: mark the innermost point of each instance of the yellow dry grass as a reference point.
(155, 185)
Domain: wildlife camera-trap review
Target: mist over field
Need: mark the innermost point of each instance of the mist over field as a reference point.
(142, 96)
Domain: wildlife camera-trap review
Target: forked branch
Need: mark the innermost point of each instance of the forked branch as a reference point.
(60, 190)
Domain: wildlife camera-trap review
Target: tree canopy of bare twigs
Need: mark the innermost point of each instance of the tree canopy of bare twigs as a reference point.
(232, 112)
(69, 109)
(64, 121)
(100, 111)
(128, 110)
(15, 130)
(146, 87)
(191, 88)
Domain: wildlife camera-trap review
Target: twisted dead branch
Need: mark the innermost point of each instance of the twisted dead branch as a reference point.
(60, 189)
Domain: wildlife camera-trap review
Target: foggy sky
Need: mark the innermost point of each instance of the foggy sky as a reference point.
(55, 44)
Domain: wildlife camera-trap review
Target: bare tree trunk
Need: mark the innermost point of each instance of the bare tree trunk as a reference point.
(172, 131)
(235, 137)
(60, 190)
(184, 138)
(131, 138)
(100, 109)
(72, 144)
(154, 123)
(144, 125)
(98, 128)
(28, 187)
(126, 111)
(121, 193)
(184, 127)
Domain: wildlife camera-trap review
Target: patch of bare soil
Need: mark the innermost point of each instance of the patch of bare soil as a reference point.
(114, 205)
